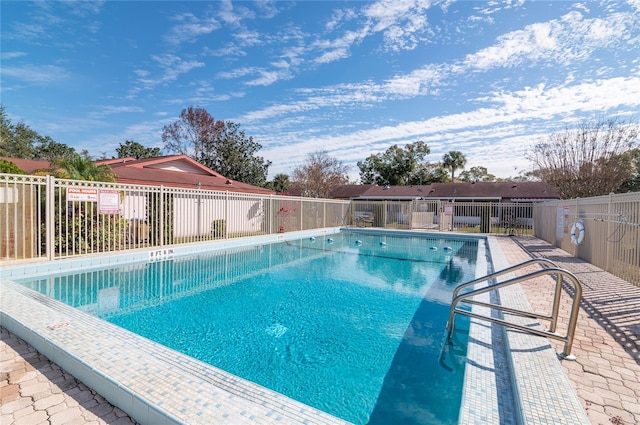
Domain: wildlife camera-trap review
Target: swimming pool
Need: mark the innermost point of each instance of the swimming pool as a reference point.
(357, 320)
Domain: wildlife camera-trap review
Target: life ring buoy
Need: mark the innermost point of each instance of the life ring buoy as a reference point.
(577, 233)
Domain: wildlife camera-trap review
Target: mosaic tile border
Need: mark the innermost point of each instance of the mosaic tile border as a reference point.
(542, 392)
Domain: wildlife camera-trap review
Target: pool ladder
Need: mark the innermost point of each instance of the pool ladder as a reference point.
(551, 269)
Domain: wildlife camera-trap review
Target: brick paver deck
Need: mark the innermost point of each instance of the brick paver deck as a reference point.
(35, 391)
(606, 373)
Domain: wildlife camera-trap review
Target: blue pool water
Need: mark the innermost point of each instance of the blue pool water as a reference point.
(351, 324)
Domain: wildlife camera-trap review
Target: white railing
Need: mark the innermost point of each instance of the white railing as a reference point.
(512, 218)
(611, 239)
(42, 217)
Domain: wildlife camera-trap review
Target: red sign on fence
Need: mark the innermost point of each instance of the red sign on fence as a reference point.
(82, 194)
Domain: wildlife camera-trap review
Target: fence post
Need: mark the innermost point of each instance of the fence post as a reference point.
(577, 217)
(226, 214)
(410, 217)
(324, 214)
(384, 214)
(161, 215)
(607, 250)
(301, 216)
(50, 222)
(270, 215)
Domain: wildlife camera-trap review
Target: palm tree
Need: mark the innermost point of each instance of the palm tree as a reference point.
(83, 168)
(453, 161)
(281, 183)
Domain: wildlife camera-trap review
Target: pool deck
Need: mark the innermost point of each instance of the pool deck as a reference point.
(606, 374)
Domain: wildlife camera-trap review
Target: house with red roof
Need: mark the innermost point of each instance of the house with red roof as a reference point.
(420, 205)
(196, 208)
(170, 171)
(176, 171)
(452, 192)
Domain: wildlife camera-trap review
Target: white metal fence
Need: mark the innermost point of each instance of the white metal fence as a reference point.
(42, 217)
(45, 217)
(611, 237)
(470, 217)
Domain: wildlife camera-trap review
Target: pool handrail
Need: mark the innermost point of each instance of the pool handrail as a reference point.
(550, 269)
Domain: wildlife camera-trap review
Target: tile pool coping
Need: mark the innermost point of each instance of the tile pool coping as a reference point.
(154, 384)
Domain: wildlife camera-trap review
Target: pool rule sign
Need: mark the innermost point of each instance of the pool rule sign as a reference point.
(108, 199)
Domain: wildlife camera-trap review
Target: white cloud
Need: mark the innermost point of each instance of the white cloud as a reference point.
(509, 124)
(403, 23)
(190, 27)
(248, 38)
(36, 74)
(541, 102)
(266, 78)
(565, 40)
(172, 67)
(110, 110)
(12, 55)
(225, 52)
(233, 15)
(339, 17)
(268, 8)
(338, 48)
(238, 73)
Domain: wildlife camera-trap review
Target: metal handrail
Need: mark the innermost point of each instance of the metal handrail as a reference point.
(541, 261)
(553, 318)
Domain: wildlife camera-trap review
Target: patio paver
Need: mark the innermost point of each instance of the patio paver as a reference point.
(606, 373)
(35, 391)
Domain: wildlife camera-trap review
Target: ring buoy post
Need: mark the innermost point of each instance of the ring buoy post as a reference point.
(577, 233)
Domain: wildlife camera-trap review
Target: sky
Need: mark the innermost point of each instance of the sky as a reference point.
(350, 78)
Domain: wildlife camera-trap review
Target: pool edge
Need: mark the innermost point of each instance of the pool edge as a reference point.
(540, 389)
(479, 404)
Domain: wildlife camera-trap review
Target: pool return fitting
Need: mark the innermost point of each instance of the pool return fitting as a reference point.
(550, 269)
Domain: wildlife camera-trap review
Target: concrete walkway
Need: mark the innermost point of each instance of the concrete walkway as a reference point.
(606, 374)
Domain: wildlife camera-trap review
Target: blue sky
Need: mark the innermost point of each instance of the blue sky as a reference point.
(489, 79)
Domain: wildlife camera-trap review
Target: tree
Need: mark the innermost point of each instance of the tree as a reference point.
(395, 166)
(453, 160)
(233, 155)
(83, 168)
(477, 174)
(633, 183)
(590, 160)
(319, 175)
(20, 141)
(195, 128)
(10, 168)
(131, 149)
(427, 173)
(50, 150)
(280, 183)
(221, 146)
